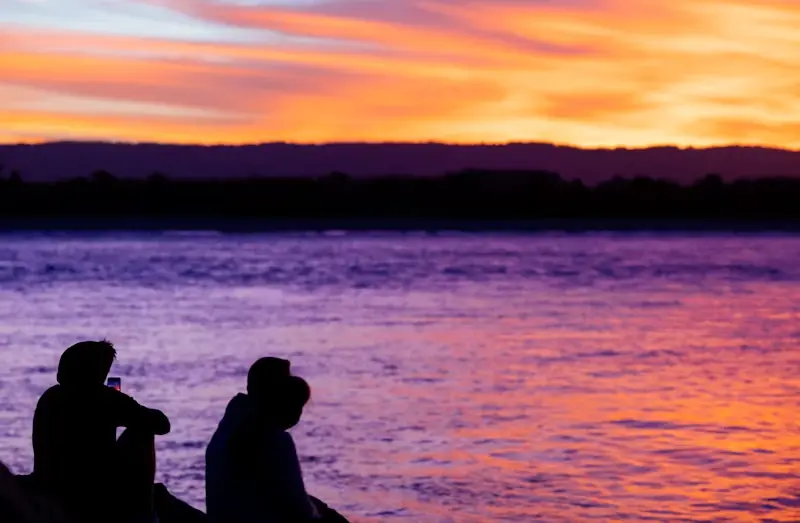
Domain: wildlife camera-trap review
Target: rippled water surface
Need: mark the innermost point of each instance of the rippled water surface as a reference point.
(456, 378)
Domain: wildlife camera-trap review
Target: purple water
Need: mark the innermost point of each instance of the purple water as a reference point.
(456, 378)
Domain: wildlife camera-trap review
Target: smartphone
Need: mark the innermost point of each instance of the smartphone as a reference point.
(115, 382)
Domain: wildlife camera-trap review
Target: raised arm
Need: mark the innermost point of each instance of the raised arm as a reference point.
(155, 421)
(130, 414)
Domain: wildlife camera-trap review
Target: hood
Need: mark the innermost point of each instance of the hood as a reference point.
(234, 439)
(238, 410)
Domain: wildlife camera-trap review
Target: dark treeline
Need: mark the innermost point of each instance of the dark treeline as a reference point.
(466, 195)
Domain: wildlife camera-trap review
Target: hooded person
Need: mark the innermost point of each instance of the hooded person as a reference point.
(253, 473)
(78, 459)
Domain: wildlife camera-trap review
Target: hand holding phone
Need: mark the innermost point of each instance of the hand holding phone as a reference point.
(115, 383)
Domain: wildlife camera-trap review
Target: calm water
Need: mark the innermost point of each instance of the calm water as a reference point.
(456, 378)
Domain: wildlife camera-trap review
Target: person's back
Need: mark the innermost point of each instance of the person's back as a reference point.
(252, 471)
(75, 432)
(226, 493)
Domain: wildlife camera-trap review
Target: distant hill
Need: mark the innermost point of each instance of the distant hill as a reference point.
(60, 160)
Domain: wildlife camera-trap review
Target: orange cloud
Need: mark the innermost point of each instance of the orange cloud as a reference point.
(611, 72)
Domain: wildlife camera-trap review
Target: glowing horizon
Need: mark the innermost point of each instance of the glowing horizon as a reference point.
(585, 73)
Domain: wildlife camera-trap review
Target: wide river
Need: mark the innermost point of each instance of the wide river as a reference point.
(456, 378)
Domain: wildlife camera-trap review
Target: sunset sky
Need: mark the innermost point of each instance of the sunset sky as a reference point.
(584, 72)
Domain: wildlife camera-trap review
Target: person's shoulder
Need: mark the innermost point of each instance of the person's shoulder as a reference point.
(280, 439)
(49, 403)
(278, 449)
(51, 394)
(114, 396)
(53, 390)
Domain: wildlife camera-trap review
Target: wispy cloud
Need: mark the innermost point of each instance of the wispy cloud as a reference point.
(589, 72)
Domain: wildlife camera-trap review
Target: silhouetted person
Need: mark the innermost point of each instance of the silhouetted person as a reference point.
(77, 456)
(253, 472)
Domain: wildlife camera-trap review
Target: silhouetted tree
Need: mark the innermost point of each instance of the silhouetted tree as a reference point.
(103, 177)
(338, 177)
(157, 178)
(711, 181)
(471, 194)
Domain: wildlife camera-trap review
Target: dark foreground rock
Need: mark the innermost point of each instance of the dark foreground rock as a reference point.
(21, 502)
(19, 505)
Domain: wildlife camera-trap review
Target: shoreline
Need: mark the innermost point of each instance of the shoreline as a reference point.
(399, 225)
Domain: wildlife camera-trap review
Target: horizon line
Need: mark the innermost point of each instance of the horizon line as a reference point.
(406, 142)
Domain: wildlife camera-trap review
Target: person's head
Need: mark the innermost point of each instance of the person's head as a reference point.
(297, 393)
(264, 373)
(279, 396)
(86, 363)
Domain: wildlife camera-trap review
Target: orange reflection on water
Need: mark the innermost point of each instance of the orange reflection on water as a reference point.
(676, 412)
